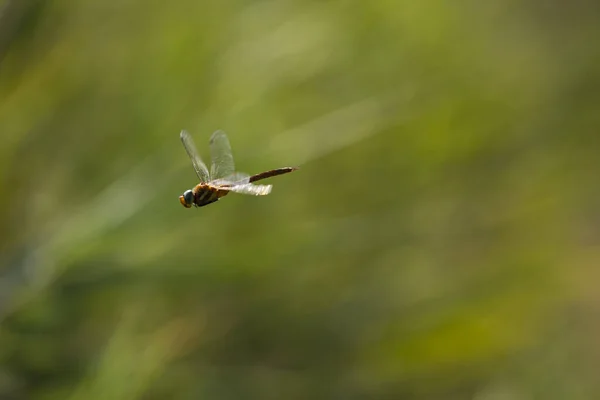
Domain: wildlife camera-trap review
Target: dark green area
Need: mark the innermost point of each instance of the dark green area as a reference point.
(439, 242)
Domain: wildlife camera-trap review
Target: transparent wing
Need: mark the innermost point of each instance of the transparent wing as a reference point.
(221, 158)
(248, 188)
(190, 148)
(237, 178)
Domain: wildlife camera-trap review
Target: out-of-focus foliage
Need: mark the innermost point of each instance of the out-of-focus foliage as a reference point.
(441, 240)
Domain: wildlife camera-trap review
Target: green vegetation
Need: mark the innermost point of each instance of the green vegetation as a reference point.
(439, 242)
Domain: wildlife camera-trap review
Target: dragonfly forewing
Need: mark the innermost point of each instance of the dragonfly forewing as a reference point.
(190, 148)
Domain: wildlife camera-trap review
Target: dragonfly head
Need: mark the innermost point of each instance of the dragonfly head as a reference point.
(187, 199)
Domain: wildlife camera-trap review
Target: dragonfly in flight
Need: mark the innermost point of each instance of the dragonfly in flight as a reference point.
(222, 177)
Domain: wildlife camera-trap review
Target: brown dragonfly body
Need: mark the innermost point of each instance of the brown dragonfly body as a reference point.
(222, 178)
(205, 194)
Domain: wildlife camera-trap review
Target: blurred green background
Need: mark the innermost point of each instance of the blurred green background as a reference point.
(441, 240)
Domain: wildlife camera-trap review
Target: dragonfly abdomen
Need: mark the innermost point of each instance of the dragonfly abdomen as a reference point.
(269, 174)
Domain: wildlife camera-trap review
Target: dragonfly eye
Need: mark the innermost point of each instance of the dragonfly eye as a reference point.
(187, 199)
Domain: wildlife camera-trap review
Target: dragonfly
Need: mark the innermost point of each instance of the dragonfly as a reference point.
(222, 177)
